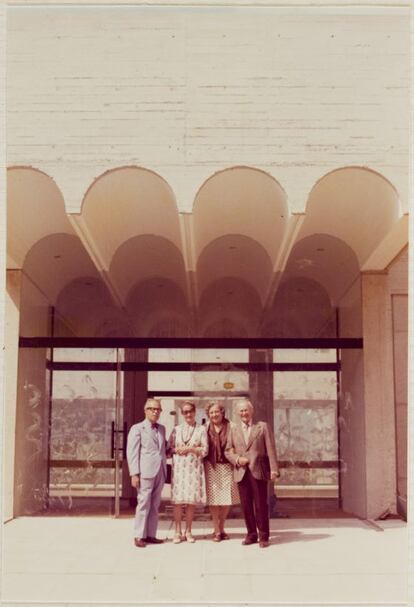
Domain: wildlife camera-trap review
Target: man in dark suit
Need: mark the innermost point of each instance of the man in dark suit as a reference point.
(146, 454)
(252, 451)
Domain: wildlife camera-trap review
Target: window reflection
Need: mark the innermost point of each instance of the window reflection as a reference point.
(83, 409)
(301, 355)
(89, 355)
(305, 423)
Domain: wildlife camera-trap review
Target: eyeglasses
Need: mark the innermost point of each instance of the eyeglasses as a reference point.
(188, 411)
(154, 409)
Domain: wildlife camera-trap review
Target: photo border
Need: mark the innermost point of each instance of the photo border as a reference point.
(324, 6)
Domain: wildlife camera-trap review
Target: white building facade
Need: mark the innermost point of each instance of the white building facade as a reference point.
(207, 172)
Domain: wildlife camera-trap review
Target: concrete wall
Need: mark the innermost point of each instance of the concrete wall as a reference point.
(11, 353)
(187, 91)
(379, 395)
(373, 400)
(398, 291)
(3, 222)
(351, 420)
(32, 408)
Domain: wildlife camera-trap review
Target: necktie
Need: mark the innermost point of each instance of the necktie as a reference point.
(157, 434)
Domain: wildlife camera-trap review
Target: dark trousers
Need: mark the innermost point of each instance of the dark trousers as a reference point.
(253, 500)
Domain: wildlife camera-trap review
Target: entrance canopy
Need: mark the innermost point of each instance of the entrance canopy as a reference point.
(239, 265)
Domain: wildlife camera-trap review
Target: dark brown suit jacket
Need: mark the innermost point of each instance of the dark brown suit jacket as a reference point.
(261, 443)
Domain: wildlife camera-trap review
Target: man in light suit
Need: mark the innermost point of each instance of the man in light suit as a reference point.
(146, 455)
(252, 451)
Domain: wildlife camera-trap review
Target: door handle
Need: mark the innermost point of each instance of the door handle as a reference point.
(112, 440)
(124, 440)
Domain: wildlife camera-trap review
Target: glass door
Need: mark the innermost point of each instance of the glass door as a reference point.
(306, 426)
(78, 403)
(86, 446)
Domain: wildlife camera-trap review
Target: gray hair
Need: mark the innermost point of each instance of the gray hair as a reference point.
(245, 402)
(150, 401)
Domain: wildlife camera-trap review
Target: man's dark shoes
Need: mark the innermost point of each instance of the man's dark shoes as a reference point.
(249, 540)
(153, 540)
(264, 543)
(139, 542)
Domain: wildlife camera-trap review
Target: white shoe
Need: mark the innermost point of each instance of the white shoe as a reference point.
(189, 537)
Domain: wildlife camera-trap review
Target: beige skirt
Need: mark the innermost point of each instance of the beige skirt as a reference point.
(221, 488)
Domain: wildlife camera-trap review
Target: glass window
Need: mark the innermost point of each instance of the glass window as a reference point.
(189, 355)
(306, 431)
(221, 355)
(219, 381)
(165, 381)
(304, 355)
(83, 385)
(83, 409)
(305, 385)
(169, 355)
(90, 355)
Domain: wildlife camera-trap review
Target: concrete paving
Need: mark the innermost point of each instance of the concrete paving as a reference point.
(90, 560)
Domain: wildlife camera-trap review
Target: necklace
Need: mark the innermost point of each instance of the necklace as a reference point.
(187, 440)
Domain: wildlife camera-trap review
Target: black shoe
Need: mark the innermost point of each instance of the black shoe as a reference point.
(264, 543)
(139, 542)
(153, 540)
(249, 540)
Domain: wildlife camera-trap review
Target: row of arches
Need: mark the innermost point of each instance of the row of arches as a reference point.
(130, 263)
(238, 200)
(301, 309)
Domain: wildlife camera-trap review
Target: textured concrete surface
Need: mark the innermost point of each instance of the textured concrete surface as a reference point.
(88, 560)
(188, 91)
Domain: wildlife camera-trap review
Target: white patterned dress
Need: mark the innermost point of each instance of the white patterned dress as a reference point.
(188, 483)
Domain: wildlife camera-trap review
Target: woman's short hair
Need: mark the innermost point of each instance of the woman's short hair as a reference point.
(188, 402)
(212, 403)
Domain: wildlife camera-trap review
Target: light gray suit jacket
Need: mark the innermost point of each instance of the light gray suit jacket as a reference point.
(261, 443)
(145, 453)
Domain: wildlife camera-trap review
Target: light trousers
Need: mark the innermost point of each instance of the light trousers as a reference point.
(148, 503)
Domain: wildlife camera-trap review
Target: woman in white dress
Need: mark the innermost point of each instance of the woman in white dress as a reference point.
(188, 445)
(221, 489)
